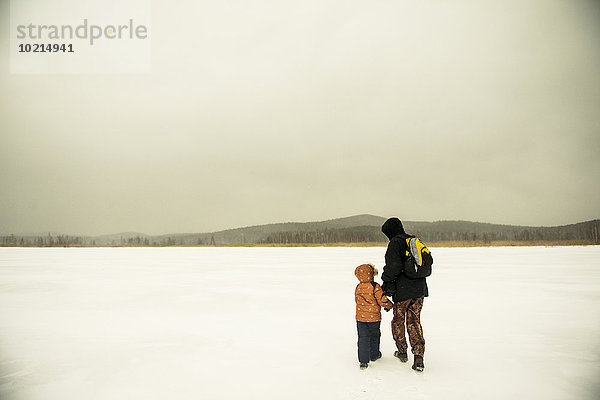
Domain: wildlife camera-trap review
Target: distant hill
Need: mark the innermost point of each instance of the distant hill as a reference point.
(260, 234)
(355, 229)
(367, 229)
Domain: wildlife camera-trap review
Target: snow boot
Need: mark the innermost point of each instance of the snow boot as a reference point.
(377, 357)
(402, 356)
(364, 365)
(418, 364)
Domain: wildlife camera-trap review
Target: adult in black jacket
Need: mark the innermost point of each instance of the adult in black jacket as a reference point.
(408, 294)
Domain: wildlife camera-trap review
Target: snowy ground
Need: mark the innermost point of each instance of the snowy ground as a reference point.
(225, 323)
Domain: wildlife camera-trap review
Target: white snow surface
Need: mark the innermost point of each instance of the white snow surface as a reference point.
(231, 323)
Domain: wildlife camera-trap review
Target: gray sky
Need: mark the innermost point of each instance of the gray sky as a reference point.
(272, 111)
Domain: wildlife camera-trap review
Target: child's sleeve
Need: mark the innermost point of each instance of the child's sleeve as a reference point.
(382, 300)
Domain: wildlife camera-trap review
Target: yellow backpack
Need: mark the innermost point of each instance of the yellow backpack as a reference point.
(418, 259)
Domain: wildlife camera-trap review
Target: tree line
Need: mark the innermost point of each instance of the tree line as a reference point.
(429, 232)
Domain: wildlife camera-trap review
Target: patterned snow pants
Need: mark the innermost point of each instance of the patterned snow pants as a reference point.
(409, 311)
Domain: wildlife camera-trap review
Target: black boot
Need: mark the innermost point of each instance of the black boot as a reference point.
(402, 356)
(377, 357)
(364, 365)
(418, 364)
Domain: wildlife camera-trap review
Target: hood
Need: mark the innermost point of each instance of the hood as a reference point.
(392, 227)
(364, 273)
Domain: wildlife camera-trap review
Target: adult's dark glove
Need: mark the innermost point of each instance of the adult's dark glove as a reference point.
(389, 288)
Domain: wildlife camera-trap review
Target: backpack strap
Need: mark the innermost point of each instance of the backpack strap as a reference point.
(405, 238)
(381, 298)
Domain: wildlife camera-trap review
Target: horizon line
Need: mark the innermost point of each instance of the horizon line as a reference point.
(56, 233)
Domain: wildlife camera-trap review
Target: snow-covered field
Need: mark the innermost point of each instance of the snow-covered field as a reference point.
(230, 323)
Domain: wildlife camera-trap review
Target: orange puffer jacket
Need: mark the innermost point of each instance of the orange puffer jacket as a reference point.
(369, 296)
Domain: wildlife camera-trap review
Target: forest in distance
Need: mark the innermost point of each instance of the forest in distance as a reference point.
(360, 230)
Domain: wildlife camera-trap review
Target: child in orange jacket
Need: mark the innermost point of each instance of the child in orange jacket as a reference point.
(369, 299)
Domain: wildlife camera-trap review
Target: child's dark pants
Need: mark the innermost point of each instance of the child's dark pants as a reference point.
(368, 340)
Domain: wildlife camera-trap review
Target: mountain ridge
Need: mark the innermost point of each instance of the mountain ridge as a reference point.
(359, 228)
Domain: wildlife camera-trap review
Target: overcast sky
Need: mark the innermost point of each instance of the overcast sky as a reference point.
(270, 111)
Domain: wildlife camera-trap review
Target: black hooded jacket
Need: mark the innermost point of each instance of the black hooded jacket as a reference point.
(395, 256)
